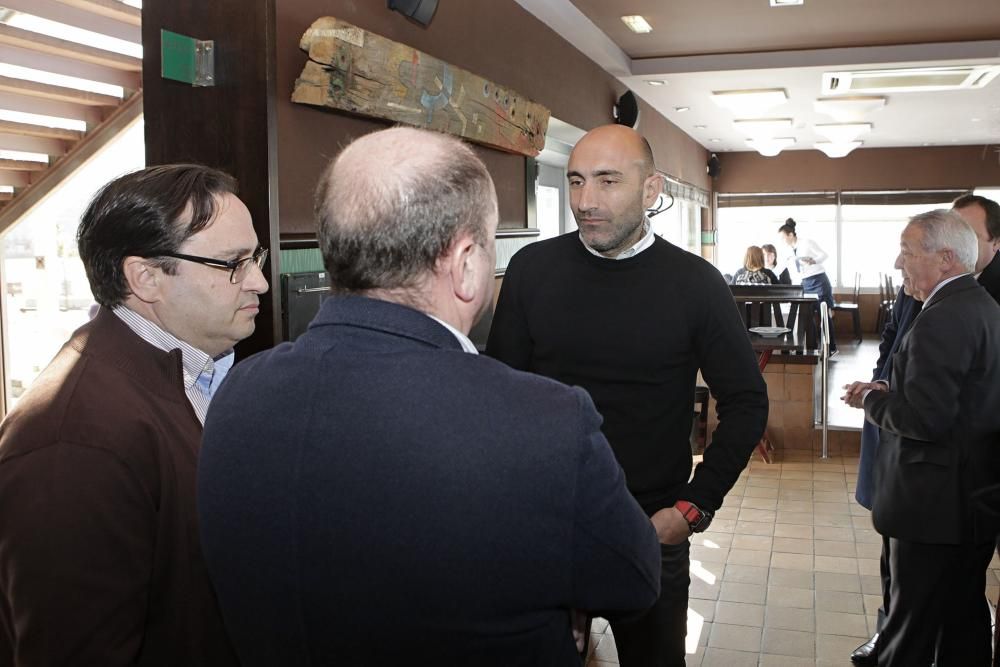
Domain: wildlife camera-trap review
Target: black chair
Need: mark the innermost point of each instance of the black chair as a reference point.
(853, 307)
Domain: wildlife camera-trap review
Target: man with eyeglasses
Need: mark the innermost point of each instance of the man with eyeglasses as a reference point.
(100, 562)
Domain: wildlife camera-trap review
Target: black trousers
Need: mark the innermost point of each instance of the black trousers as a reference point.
(656, 639)
(886, 573)
(937, 611)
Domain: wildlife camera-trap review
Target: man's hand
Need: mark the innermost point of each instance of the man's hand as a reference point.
(671, 526)
(855, 392)
(807, 260)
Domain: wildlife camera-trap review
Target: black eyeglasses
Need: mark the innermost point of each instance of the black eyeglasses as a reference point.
(237, 267)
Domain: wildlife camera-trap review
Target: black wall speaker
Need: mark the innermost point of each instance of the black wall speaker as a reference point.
(420, 11)
(714, 166)
(626, 111)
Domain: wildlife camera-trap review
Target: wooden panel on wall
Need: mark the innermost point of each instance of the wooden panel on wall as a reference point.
(864, 169)
(228, 126)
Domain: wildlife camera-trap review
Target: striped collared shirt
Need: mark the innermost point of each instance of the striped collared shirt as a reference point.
(202, 373)
(640, 245)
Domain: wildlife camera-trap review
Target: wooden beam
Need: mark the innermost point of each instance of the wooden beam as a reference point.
(44, 131)
(23, 165)
(77, 157)
(78, 18)
(17, 179)
(43, 145)
(27, 104)
(6, 196)
(58, 93)
(15, 55)
(63, 47)
(119, 11)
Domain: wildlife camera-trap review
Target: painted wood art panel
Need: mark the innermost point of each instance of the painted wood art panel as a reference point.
(355, 70)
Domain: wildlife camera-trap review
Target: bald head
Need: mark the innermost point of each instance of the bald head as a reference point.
(620, 140)
(390, 205)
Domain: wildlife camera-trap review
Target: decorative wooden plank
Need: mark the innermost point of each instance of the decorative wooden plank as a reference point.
(354, 70)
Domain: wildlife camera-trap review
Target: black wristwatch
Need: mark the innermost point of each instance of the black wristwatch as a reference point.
(697, 518)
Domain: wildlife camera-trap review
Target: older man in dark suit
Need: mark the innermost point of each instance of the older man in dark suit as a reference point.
(377, 493)
(940, 426)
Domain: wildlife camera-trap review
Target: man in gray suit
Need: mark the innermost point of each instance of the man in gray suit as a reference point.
(940, 425)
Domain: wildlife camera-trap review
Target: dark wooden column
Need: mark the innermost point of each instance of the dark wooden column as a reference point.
(230, 126)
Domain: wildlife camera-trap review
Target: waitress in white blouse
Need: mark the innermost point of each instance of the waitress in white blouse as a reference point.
(809, 259)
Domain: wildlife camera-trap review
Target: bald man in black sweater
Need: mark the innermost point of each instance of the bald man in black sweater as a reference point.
(632, 318)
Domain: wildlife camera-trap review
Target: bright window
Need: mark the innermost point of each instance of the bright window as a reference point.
(46, 293)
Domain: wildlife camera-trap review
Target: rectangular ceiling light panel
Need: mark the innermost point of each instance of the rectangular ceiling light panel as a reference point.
(909, 79)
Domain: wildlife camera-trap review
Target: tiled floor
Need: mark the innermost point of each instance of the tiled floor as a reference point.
(786, 576)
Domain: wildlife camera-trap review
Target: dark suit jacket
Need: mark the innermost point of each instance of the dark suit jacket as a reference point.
(904, 309)
(940, 421)
(373, 495)
(990, 278)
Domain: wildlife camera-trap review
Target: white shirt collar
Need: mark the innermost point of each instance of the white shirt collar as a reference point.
(463, 340)
(643, 243)
(940, 285)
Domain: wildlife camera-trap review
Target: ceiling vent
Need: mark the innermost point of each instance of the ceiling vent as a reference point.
(909, 79)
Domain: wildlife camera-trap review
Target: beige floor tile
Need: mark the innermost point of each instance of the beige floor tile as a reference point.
(761, 492)
(789, 642)
(728, 512)
(747, 514)
(796, 518)
(795, 484)
(801, 598)
(709, 572)
(756, 542)
(703, 590)
(739, 613)
(864, 522)
(749, 557)
(750, 502)
(695, 659)
(834, 533)
(823, 485)
(745, 574)
(838, 623)
(723, 525)
(792, 545)
(805, 465)
(795, 494)
(709, 554)
(836, 649)
(789, 618)
(733, 591)
(754, 527)
(735, 637)
(792, 561)
(869, 566)
(606, 649)
(768, 660)
(839, 601)
(793, 530)
(712, 538)
(719, 657)
(866, 550)
(872, 604)
(832, 548)
(867, 535)
(871, 584)
(836, 564)
(832, 476)
(795, 505)
(838, 581)
(704, 609)
(842, 509)
(598, 625)
(833, 497)
(781, 577)
(836, 520)
(797, 474)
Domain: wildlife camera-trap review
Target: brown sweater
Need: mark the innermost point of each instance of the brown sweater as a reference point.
(100, 562)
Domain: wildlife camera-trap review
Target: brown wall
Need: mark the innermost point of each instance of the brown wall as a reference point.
(863, 169)
(496, 39)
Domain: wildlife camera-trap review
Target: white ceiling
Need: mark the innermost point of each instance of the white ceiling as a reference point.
(700, 51)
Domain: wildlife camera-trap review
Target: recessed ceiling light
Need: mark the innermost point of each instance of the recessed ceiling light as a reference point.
(849, 108)
(701, 127)
(715, 140)
(682, 109)
(840, 133)
(786, 3)
(749, 102)
(637, 24)
(656, 82)
(837, 149)
(975, 120)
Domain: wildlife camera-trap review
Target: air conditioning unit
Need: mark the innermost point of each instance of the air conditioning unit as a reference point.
(909, 79)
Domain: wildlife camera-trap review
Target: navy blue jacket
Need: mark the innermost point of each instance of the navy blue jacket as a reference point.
(372, 495)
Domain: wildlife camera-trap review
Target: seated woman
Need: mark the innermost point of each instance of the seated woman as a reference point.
(753, 271)
(771, 265)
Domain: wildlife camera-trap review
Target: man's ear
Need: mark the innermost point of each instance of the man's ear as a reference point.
(143, 278)
(652, 187)
(464, 269)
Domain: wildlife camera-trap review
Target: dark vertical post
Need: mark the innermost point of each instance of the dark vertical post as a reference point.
(231, 125)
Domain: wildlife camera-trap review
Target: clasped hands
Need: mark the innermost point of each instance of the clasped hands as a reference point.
(854, 394)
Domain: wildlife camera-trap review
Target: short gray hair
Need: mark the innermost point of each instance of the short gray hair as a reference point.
(946, 230)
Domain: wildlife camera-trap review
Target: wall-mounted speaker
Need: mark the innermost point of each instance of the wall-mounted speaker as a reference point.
(714, 166)
(420, 11)
(626, 111)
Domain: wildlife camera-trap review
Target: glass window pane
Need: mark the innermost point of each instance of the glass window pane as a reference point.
(46, 293)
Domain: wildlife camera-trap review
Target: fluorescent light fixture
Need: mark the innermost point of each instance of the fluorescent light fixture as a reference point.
(24, 156)
(909, 79)
(847, 109)
(682, 109)
(763, 128)
(770, 147)
(72, 34)
(837, 149)
(656, 82)
(750, 102)
(44, 121)
(715, 140)
(637, 24)
(842, 133)
(786, 3)
(41, 76)
(701, 127)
